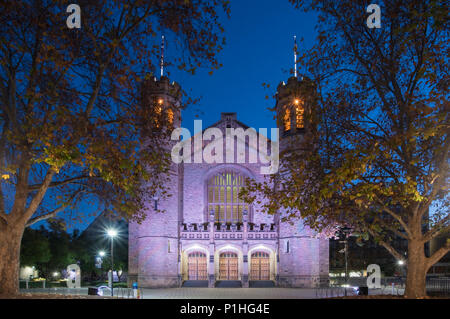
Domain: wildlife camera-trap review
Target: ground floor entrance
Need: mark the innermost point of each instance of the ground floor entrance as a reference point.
(228, 266)
(197, 266)
(260, 266)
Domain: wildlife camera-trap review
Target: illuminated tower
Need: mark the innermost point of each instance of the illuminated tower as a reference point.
(154, 244)
(303, 258)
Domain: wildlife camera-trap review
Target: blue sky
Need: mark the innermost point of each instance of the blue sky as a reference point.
(259, 49)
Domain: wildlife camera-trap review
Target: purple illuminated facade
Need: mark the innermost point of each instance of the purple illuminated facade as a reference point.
(207, 235)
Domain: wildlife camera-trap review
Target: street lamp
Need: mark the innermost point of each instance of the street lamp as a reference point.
(344, 232)
(112, 233)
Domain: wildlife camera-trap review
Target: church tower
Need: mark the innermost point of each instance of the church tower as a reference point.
(154, 246)
(303, 258)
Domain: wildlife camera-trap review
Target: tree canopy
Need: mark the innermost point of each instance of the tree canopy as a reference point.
(71, 117)
(379, 159)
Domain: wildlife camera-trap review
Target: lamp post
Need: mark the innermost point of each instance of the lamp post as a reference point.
(112, 233)
(344, 232)
(99, 261)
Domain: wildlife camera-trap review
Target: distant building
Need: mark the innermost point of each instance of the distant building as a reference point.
(359, 257)
(96, 231)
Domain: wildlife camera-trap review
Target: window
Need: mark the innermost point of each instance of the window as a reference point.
(300, 115)
(158, 111)
(287, 247)
(287, 120)
(223, 197)
(170, 116)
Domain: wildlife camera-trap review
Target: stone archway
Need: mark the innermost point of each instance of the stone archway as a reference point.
(262, 263)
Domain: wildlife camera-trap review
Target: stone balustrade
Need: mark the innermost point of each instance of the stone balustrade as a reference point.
(228, 231)
(227, 227)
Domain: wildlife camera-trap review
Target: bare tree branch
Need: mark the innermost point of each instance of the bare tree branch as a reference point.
(59, 183)
(37, 199)
(388, 247)
(441, 252)
(436, 230)
(53, 213)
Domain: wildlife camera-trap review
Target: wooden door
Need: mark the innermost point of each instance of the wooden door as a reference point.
(197, 266)
(260, 266)
(228, 266)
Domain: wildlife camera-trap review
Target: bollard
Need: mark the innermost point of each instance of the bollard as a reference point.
(135, 290)
(393, 288)
(92, 291)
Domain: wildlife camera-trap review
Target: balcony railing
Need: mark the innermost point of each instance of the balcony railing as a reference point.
(237, 231)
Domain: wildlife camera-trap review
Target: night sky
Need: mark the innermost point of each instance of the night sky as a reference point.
(259, 49)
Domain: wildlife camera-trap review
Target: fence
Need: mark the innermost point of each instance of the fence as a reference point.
(389, 286)
(438, 286)
(127, 293)
(34, 283)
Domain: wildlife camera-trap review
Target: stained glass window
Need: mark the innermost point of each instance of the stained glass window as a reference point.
(223, 197)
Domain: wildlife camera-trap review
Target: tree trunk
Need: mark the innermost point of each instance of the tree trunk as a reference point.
(417, 271)
(10, 239)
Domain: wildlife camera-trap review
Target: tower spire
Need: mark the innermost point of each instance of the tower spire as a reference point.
(162, 56)
(295, 56)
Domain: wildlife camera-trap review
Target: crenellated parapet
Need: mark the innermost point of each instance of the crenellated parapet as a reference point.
(294, 87)
(162, 86)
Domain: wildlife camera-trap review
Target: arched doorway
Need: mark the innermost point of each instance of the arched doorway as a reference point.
(197, 266)
(260, 266)
(228, 266)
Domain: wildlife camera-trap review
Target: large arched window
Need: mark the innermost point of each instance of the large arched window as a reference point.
(223, 197)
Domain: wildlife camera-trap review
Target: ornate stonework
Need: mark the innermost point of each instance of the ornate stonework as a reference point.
(208, 236)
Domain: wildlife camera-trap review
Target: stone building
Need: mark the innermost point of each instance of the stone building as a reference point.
(207, 235)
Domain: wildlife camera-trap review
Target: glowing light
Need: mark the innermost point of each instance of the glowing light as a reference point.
(55, 274)
(160, 101)
(260, 247)
(101, 253)
(111, 232)
(287, 120)
(195, 247)
(170, 116)
(296, 101)
(401, 262)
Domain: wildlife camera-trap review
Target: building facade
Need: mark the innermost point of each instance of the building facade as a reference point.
(207, 234)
